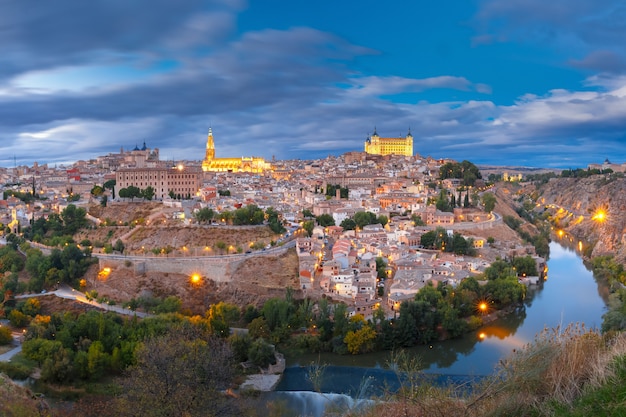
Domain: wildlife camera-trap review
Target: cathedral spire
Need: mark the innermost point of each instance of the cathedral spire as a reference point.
(210, 146)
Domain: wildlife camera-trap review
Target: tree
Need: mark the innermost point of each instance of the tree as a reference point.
(361, 340)
(5, 336)
(110, 185)
(325, 220)
(221, 316)
(489, 202)
(348, 224)
(180, 373)
(261, 353)
(417, 220)
(363, 218)
(204, 215)
(148, 193)
(427, 240)
(309, 225)
(97, 191)
(525, 266)
(73, 219)
(443, 203)
(119, 246)
(466, 171)
(273, 220)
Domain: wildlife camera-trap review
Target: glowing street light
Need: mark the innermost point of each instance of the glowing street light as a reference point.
(195, 279)
(599, 216)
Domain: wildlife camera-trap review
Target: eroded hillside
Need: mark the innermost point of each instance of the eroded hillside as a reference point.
(576, 201)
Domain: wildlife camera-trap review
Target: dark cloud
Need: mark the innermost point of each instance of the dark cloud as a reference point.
(566, 26)
(38, 35)
(604, 61)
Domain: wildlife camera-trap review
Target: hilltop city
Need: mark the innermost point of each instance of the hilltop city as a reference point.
(386, 181)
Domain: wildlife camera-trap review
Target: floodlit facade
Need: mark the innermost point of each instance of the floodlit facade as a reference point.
(243, 164)
(375, 145)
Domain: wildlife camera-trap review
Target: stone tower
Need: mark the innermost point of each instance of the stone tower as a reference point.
(210, 147)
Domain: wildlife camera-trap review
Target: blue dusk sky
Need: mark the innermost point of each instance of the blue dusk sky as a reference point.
(506, 82)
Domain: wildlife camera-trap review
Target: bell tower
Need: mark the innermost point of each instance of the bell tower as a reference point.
(210, 147)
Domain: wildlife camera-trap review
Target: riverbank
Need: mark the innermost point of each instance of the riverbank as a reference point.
(261, 382)
(269, 378)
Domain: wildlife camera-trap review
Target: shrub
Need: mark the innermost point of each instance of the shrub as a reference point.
(5, 336)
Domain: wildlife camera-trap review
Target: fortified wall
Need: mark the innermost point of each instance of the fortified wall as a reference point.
(216, 268)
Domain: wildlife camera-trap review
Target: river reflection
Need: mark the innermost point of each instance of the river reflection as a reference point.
(570, 295)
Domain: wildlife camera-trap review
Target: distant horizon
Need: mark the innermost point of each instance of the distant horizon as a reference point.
(522, 82)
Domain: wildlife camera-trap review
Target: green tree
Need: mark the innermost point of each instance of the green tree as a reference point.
(261, 353)
(363, 218)
(18, 319)
(110, 185)
(5, 336)
(221, 316)
(489, 202)
(148, 193)
(525, 266)
(204, 215)
(417, 220)
(309, 225)
(73, 219)
(325, 220)
(443, 202)
(119, 246)
(97, 191)
(348, 224)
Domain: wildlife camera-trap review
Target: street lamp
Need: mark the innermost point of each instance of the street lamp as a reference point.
(195, 279)
(599, 216)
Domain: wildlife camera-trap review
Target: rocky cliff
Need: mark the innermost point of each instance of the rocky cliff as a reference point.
(577, 204)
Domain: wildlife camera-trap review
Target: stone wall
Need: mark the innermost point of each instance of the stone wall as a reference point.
(216, 268)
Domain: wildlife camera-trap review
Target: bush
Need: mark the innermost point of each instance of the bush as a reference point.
(261, 353)
(5, 336)
(18, 319)
(15, 371)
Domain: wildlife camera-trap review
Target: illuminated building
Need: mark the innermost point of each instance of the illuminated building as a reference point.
(243, 164)
(179, 181)
(375, 145)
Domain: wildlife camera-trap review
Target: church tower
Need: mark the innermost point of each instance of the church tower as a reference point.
(210, 147)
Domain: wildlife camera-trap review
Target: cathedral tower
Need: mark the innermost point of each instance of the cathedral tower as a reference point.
(210, 147)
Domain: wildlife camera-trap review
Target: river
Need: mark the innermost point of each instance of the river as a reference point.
(569, 295)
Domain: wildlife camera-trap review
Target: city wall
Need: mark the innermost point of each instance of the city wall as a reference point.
(216, 269)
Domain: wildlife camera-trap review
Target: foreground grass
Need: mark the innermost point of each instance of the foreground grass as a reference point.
(564, 372)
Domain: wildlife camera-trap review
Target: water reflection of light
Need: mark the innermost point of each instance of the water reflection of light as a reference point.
(507, 339)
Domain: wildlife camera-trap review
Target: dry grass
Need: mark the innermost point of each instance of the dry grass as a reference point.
(559, 367)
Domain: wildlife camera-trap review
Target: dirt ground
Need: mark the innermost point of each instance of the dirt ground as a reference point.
(143, 227)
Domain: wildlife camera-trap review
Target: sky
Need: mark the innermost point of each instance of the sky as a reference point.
(518, 82)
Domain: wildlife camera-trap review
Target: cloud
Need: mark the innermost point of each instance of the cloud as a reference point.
(376, 85)
(68, 32)
(601, 60)
(596, 29)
